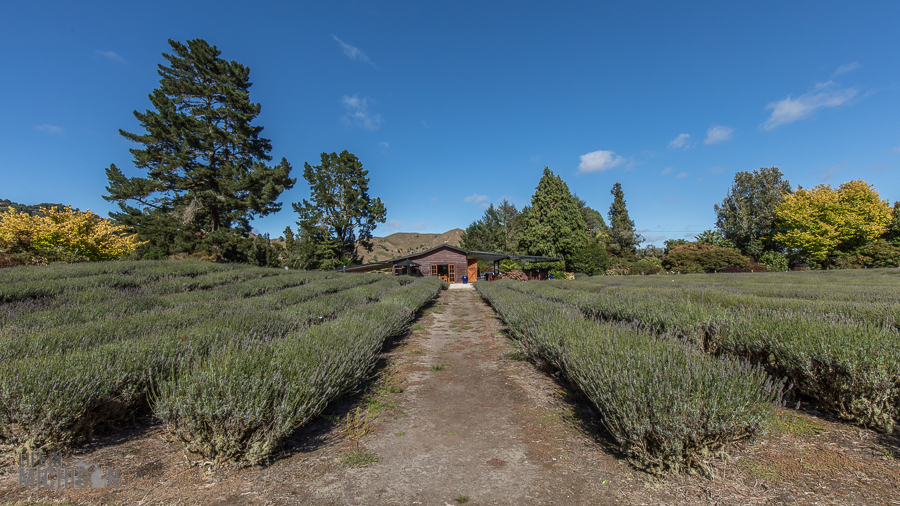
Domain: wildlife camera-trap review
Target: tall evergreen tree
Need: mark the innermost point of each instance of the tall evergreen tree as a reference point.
(341, 217)
(622, 234)
(485, 234)
(204, 160)
(511, 219)
(497, 231)
(552, 225)
(593, 220)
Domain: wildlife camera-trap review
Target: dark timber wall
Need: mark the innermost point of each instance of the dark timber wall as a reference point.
(443, 256)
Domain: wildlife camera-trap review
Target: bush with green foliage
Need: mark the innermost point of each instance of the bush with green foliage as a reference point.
(774, 261)
(692, 258)
(880, 253)
(591, 259)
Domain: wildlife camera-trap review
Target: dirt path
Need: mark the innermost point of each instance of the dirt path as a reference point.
(455, 418)
(465, 433)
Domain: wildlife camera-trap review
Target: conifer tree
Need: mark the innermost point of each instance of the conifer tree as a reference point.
(341, 216)
(552, 225)
(204, 160)
(624, 238)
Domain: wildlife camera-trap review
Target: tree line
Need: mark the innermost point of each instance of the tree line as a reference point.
(558, 223)
(207, 172)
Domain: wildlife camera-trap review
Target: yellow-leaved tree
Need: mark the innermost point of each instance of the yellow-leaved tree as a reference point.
(821, 220)
(81, 233)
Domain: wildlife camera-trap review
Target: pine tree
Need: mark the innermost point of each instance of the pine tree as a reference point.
(203, 158)
(552, 225)
(341, 217)
(624, 238)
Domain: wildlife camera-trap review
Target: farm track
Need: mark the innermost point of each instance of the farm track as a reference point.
(473, 423)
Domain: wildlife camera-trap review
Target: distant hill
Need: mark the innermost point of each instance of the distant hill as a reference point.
(33, 210)
(407, 243)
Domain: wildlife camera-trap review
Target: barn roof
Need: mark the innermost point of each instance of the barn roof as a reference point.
(472, 255)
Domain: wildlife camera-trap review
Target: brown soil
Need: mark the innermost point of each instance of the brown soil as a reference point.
(475, 425)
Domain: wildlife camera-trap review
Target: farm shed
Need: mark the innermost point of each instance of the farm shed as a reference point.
(447, 262)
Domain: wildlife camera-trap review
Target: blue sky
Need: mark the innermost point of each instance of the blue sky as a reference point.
(455, 105)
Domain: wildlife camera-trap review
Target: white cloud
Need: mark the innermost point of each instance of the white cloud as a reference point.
(718, 134)
(671, 201)
(420, 226)
(390, 225)
(716, 169)
(843, 69)
(476, 198)
(110, 55)
(353, 52)
(682, 141)
(667, 170)
(51, 129)
(358, 112)
(682, 175)
(790, 110)
(599, 161)
(654, 238)
(535, 159)
(384, 145)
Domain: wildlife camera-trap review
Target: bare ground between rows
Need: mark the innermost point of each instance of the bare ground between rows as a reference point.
(474, 425)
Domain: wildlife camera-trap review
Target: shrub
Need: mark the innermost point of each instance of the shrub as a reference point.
(64, 235)
(880, 254)
(774, 261)
(590, 259)
(690, 258)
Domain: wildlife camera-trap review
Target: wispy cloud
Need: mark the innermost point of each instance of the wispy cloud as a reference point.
(391, 225)
(790, 109)
(654, 238)
(384, 145)
(535, 159)
(667, 170)
(847, 67)
(476, 198)
(682, 175)
(682, 141)
(718, 134)
(599, 161)
(51, 129)
(670, 201)
(358, 112)
(110, 55)
(420, 226)
(353, 52)
(716, 169)
(897, 149)
(831, 171)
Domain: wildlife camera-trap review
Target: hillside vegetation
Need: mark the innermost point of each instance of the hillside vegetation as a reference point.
(407, 243)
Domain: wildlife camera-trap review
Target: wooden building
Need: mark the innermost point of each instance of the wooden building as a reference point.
(446, 262)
